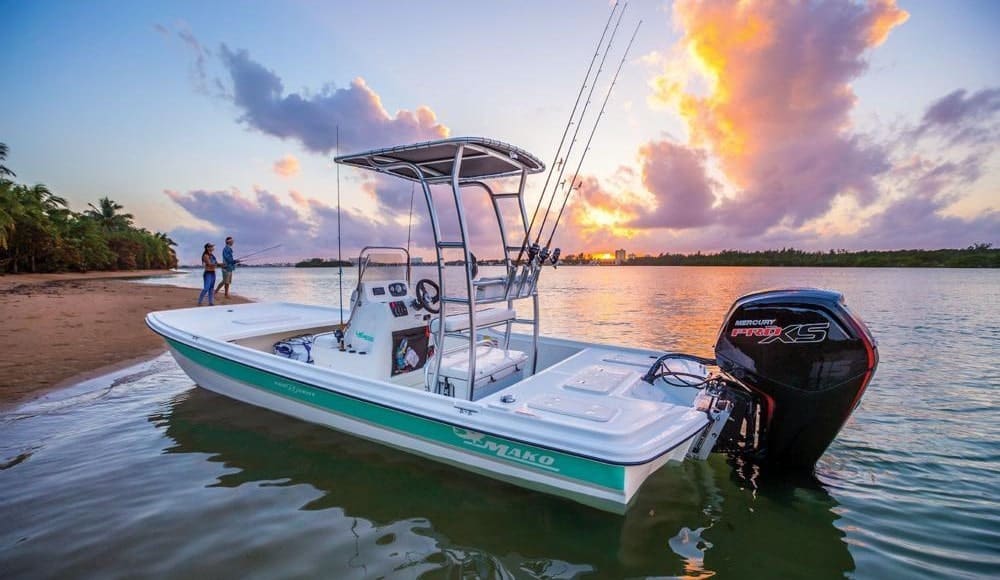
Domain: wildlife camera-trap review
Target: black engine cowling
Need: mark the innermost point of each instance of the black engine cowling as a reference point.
(807, 359)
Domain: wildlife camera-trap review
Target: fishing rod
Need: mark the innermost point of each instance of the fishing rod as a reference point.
(245, 257)
(572, 115)
(578, 126)
(340, 259)
(245, 260)
(600, 114)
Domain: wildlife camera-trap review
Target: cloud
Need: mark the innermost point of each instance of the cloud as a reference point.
(920, 222)
(256, 220)
(677, 178)
(771, 158)
(358, 231)
(676, 193)
(776, 112)
(918, 217)
(954, 108)
(306, 227)
(201, 55)
(298, 198)
(963, 118)
(287, 166)
(928, 179)
(313, 120)
(596, 215)
(391, 194)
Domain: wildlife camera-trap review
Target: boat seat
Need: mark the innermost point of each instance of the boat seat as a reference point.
(490, 288)
(486, 317)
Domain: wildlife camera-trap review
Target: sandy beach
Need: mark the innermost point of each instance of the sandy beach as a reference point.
(59, 329)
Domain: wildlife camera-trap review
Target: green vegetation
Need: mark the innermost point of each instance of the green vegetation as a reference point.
(38, 233)
(321, 263)
(976, 256)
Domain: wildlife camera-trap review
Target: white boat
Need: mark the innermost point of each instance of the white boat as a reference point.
(477, 387)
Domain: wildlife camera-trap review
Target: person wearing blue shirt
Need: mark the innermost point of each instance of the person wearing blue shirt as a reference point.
(228, 265)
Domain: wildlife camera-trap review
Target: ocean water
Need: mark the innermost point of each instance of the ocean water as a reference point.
(142, 474)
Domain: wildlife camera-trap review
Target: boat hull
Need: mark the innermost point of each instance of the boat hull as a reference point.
(606, 486)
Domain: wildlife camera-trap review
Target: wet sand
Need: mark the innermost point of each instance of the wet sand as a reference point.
(60, 329)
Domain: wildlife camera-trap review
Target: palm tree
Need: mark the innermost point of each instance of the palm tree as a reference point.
(171, 253)
(165, 239)
(9, 208)
(106, 214)
(41, 196)
(4, 171)
(7, 199)
(30, 232)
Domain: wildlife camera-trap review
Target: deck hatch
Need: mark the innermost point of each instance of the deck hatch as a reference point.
(573, 407)
(599, 380)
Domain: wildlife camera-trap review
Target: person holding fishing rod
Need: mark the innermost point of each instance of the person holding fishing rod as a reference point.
(228, 265)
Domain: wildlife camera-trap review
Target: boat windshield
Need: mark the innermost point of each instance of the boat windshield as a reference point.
(384, 264)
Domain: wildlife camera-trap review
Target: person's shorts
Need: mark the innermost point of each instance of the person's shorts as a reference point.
(227, 276)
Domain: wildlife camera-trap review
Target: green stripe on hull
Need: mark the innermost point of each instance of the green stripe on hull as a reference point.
(523, 455)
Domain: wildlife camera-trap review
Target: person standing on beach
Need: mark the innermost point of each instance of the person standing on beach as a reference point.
(228, 265)
(208, 277)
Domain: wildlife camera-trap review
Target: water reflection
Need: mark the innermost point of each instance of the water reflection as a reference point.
(694, 519)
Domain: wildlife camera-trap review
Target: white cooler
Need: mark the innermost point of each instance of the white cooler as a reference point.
(496, 369)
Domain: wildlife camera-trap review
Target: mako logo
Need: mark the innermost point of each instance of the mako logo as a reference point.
(506, 451)
(792, 334)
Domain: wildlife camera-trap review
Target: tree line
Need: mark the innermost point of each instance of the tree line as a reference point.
(981, 255)
(321, 263)
(39, 233)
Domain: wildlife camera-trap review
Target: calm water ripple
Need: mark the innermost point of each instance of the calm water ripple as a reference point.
(144, 475)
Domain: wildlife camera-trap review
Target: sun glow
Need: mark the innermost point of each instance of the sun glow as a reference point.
(606, 218)
(602, 218)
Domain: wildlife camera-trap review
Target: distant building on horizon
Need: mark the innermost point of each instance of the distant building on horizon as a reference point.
(619, 257)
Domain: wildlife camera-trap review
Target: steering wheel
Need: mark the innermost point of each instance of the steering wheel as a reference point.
(474, 265)
(429, 294)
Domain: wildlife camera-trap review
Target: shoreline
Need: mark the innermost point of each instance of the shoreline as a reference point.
(63, 329)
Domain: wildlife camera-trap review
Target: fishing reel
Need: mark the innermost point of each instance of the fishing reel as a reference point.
(533, 251)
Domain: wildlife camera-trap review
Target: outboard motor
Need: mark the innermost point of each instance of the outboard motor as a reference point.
(805, 360)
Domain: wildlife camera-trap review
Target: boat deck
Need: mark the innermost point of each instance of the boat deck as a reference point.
(585, 397)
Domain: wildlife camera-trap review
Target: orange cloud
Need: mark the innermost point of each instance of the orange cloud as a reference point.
(593, 210)
(887, 17)
(678, 195)
(297, 197)
(776, 99)
(287, 166)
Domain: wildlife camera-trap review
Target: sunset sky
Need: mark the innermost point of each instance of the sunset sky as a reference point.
(734, 125)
